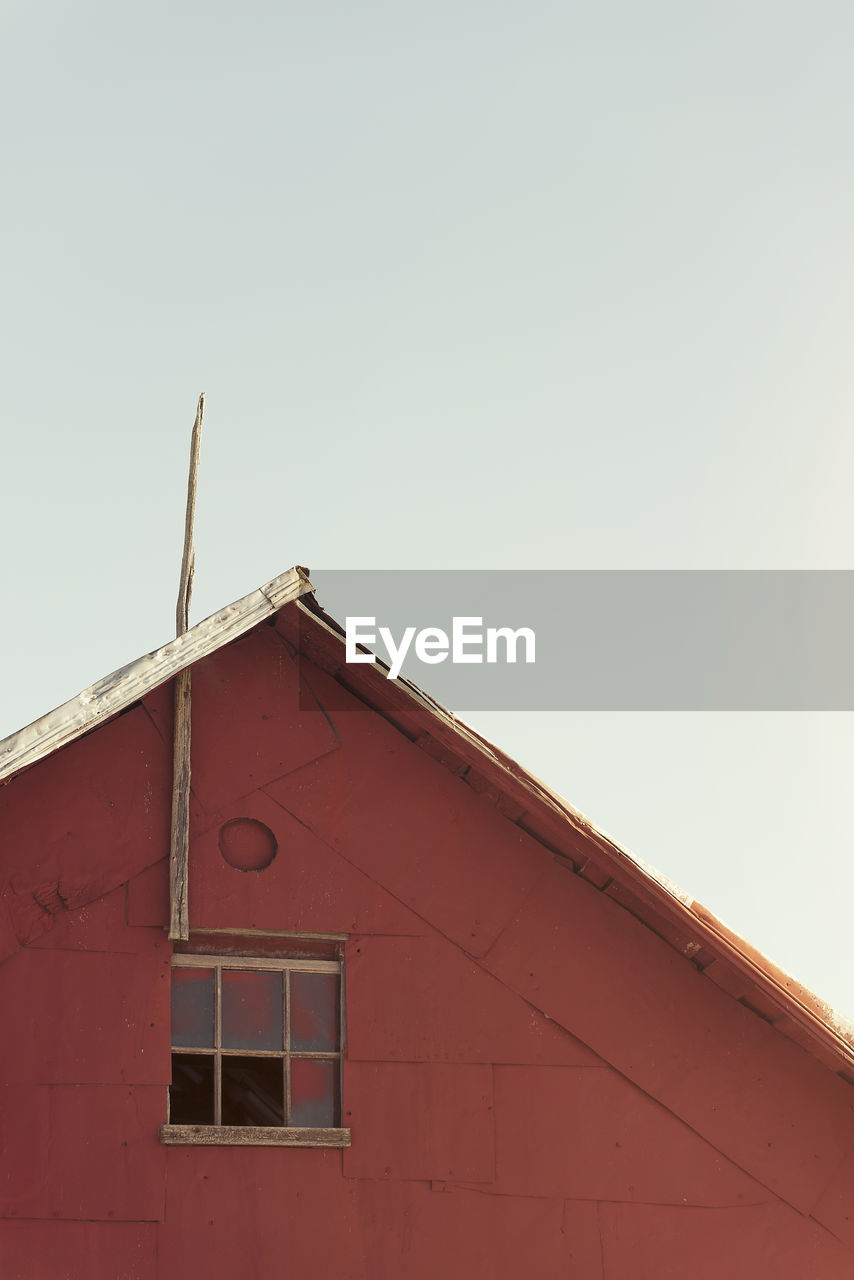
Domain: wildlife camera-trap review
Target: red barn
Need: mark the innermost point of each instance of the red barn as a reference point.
(428, 1021)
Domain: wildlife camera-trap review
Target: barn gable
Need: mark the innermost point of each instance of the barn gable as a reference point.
(543, 1072)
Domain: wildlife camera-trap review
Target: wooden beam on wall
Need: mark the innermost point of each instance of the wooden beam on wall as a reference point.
(179, 850)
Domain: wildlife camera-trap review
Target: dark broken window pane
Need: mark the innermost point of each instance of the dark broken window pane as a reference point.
(314, 1093)
(253, 1091)
(314, 1012)
(193, 1008)
(251, 1010)
(191, 1093)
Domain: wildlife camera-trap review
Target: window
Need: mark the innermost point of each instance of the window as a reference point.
(256, 1051)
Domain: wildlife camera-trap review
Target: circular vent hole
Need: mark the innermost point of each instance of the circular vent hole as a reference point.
(247, 844)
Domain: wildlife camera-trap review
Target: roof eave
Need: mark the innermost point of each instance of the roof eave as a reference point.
(122, 688)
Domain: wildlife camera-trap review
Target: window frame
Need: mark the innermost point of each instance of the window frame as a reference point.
(218, 1134)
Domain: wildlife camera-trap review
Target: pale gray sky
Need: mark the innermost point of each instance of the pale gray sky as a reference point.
(467, 285)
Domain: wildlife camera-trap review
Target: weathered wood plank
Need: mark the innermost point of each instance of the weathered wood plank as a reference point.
(179, 846)
(179, 916)
(188, 557)
(118, 690)
(222, 1135)
(189, 960)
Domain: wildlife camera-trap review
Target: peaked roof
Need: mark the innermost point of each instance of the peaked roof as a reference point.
(116, 691)
(685, 925)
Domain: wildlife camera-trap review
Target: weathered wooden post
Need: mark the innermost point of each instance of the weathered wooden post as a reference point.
(179, 919)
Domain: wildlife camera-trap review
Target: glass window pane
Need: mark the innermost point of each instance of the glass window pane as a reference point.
(314, 1012)
(253, 1090)
(314, 1093)
(193, 1008)
(251, 1009)
(191, 1093)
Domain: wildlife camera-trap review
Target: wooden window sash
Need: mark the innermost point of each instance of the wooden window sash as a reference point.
(286, 1014)
(218, 1046)
(200, 1134)
(187, 960)
(257, 1053)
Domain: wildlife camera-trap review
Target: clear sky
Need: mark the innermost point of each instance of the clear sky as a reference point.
(471, 285)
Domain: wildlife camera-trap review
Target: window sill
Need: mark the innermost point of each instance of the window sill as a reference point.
(220, 1135)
